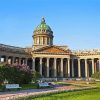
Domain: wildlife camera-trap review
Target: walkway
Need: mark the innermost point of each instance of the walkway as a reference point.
(35, 92)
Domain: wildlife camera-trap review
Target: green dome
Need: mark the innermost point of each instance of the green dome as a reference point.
(43, 26)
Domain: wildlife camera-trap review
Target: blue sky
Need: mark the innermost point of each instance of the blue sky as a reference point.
(75, 23)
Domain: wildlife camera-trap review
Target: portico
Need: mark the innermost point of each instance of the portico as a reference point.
(65, 67)
(52, 67)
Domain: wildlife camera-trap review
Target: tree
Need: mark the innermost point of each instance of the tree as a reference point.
(96, 75)
(17, 74)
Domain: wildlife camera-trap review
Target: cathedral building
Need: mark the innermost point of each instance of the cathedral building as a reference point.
(52, 61)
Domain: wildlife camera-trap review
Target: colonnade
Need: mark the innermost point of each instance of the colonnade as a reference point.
(12, 60)
(66, 67)
(58, 67)
(53, 66)
(88, 67)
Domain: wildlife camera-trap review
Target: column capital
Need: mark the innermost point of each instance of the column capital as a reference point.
(41, 57)
(62, 58)
(33, 57)
(85, 59)
(78, 59)
(68, 58)
(48, 58)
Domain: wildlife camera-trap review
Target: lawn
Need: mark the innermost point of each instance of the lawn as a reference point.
(96, 84)
(93, 94)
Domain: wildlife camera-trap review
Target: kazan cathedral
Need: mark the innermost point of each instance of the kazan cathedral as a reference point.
(52, 61)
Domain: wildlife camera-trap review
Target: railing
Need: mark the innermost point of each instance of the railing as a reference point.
(91, 51)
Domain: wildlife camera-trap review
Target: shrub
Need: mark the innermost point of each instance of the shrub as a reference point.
(36, 76)
(17, 74)
(96, 75)
(1, 74)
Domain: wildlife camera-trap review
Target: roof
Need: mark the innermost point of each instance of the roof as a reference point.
(52, 50)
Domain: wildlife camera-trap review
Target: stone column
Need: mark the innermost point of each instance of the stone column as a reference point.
(99, 64)
(55, 67)
(47, 67)
(72, 67)
(46, 42)
(6, 59)
(19, 61)
(49, 41)
(68, 67)
(92, 66)
(61, 67)
(79, 69)
(9, 61)
(26, 61)
(38, 39)
(86, 68)
(13, 60)
(95, 67)
(33, 64)
(0, 58)
(42, 40)
(41, 66)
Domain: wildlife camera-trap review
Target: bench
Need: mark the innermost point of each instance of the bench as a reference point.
(43, 84)
(12, 86)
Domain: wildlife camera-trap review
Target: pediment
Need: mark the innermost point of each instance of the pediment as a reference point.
(53, 50)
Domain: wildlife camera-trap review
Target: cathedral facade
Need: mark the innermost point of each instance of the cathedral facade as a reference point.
(50, 60)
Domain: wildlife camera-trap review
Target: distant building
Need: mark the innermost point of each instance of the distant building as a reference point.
(50, 60)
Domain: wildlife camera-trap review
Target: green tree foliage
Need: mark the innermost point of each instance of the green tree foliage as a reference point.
(19, 74)
(96, 75)
(36, 76)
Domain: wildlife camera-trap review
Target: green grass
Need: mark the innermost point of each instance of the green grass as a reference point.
(93, 94)
(96, 84)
